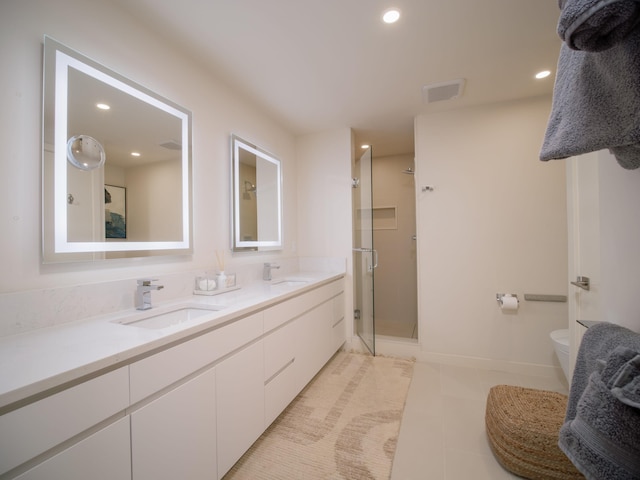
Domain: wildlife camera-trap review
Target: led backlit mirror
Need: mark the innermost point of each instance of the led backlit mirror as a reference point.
(257, 198)
(116, 164)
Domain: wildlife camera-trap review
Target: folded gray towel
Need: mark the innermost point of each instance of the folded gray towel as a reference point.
(625, 385)
(603, 440)
(596, 100)
(596, 25)
(597, 344)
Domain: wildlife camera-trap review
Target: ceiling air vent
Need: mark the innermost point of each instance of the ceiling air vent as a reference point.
(437, 92)
(172, 145)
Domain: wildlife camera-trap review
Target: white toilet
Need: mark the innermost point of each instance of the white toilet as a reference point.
(560, 339)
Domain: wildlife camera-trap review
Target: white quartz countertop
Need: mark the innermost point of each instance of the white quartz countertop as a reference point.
(35, 363)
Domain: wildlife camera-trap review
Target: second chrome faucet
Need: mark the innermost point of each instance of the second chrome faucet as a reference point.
(266, 271)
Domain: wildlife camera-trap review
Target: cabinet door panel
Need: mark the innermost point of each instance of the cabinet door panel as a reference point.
(240, 404)
(314, 334)
(174, 436)
(105, 455)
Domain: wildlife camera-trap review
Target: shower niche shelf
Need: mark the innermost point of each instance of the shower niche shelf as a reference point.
(384, 218)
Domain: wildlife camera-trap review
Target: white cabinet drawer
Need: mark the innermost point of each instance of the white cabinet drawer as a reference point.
(280, 391)
(285, 311)
(153, 373)
(338, 326)
(105, 455)
(279, 350)
(280, 370)
(338, 308)
(37, 427)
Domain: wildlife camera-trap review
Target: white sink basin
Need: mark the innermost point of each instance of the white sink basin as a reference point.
(173, 317)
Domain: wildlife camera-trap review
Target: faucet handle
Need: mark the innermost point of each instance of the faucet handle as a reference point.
(146, 282)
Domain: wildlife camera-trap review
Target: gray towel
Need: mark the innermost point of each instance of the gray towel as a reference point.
(595, 25)
(596, 100)
(603, 440)
(626, 383)
(601, 433)
(597, 344)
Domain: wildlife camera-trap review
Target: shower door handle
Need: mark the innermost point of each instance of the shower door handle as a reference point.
(373, 252)
(582, 282)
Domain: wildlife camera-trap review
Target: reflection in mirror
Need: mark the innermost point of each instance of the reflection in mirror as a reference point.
(257, 198)
(85, 152)
(104, 135)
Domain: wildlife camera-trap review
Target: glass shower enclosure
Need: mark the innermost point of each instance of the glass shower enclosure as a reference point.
(365, 257)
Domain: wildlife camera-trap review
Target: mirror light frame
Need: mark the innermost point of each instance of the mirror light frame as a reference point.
(237, 244)
(66, 58)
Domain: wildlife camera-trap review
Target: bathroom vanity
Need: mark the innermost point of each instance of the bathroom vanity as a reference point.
(160, 395)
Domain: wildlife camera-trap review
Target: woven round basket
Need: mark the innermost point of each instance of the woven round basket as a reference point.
(522, 427)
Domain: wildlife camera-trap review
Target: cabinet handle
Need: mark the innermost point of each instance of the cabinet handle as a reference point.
(282, 369)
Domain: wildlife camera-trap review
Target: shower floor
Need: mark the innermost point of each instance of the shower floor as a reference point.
(393, 328)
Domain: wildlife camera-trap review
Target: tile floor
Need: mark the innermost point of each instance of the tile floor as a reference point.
(442, 435)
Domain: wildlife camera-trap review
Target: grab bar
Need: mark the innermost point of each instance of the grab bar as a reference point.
(535, 297)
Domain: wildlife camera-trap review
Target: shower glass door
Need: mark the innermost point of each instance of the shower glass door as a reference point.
(365, 258)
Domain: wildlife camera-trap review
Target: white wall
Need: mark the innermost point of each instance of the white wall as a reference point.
(154, 204)
(495, 223)
(619, 242)
(604, 234)
(103, 32)
(324, 200)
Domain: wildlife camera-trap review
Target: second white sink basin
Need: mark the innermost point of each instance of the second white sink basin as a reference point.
(289, 283)
(172, 317)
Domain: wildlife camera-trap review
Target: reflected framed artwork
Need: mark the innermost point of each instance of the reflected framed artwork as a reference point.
(115, 211)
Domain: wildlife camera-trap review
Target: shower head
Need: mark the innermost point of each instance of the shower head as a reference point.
(408, 171)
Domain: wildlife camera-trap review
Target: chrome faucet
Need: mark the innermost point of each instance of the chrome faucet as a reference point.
(143, 293)
(266, 271)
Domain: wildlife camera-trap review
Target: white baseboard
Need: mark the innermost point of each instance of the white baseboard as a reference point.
(406, 348)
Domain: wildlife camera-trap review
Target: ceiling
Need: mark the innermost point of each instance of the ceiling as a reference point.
(321, 65)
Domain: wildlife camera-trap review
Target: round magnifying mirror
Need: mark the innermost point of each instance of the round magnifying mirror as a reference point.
(85, 152)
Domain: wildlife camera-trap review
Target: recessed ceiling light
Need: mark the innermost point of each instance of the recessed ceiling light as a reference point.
(103, 106)
(135, 154)
(391, 15)
(365, 146)
(543, 74)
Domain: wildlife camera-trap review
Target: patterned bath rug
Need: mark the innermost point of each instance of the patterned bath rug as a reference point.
(343, 426)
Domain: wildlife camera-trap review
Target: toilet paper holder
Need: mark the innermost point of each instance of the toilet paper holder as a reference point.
(500, 296)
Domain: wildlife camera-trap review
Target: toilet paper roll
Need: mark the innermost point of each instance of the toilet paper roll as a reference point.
(508, 303)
